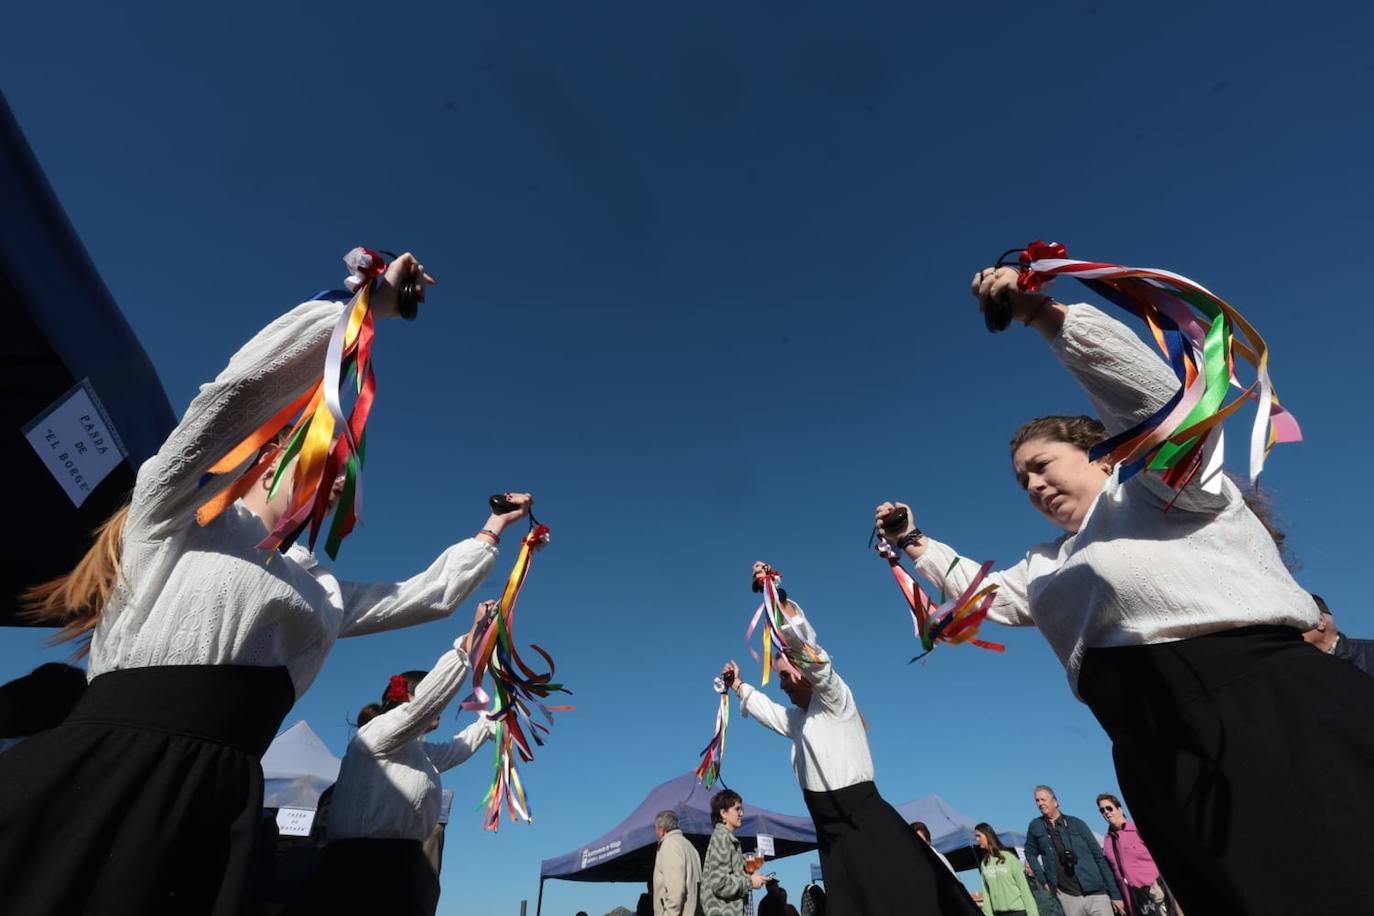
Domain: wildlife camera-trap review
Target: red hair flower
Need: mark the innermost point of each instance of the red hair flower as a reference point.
(398, 689)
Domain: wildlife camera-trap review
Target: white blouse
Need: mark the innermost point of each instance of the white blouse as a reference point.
(195, 595)
(389, 785)
(829, 741)
(1135, 574)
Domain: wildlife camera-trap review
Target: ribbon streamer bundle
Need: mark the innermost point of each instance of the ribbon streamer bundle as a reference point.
(936, 622)
(776, 614)
(325, 440)
(515, 686)
(708, 771)
(1201, 335)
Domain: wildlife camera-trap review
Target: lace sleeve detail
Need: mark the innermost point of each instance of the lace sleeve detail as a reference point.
(278, 364)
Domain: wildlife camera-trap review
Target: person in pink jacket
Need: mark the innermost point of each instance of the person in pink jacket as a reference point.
(1142, 887)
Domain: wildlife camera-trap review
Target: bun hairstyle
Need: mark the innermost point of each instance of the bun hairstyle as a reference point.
(392, 696)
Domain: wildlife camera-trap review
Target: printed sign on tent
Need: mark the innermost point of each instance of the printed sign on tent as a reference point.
(76, 442)
(295, 821)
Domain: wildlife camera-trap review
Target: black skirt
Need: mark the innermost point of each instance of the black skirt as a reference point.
(874, 864)
(368, 877)
(1247, 760)
(147, 800)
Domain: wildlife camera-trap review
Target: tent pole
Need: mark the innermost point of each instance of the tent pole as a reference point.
(539, 904)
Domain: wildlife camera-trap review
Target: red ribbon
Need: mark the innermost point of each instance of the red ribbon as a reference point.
(1029, 281)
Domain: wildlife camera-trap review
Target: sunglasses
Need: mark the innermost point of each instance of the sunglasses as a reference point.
(1105, 809)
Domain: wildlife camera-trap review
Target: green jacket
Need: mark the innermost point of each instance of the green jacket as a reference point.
(1005, 886)
(724, 883)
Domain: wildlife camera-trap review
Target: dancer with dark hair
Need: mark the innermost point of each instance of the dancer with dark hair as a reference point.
(872, 861)
(1182, 631)
(387, 799)
(147, 799)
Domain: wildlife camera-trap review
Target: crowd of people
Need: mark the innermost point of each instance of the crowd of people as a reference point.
(1173, 614)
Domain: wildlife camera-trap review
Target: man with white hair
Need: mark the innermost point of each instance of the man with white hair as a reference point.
(677, 869)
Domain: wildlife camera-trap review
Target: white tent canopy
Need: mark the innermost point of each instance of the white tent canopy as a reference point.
(297, 768)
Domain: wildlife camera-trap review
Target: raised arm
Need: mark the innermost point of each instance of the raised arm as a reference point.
(939, 565)
(410, 720)
(1126, 381)
(394, 729)
(445, 755)
(273, 368)
(370, 607)
(264, 376)
(755, 704)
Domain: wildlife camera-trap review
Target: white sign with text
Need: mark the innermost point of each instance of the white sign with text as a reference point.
(76, 442)
(765, 844)
(295, 821)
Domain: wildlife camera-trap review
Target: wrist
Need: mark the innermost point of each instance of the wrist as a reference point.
(488, 535)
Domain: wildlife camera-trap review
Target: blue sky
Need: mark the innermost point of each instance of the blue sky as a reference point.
(703, 276)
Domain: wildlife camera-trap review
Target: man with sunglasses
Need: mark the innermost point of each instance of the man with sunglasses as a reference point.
(1065, 857)
(1142, 887)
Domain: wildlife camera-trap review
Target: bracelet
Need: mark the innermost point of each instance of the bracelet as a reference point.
(1031, 318)
(911, 537)
(491, 534)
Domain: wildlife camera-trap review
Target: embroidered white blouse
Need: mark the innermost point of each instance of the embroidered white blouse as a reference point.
(829, 741)
(196, 595)
(1135, 574)
(389, 785)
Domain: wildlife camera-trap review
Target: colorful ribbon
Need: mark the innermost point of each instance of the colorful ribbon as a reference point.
(708, 771)
(936, 622)
(324, 439)
(776, 614)
(514, 687)
(1200, 335)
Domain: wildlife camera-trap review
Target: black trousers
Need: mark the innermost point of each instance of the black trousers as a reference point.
(368, 877)
(1247, 760)
(874, 864)
(147, 800)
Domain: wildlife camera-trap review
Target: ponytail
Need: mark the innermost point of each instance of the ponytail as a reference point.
(76, 599)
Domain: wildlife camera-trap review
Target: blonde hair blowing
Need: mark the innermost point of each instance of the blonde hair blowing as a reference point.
(76, 599)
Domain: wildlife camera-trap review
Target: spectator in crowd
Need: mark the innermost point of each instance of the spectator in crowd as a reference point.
(677, 869)
(725, 885)
(813, 902)
(774, 902)
(1142, 889)
(922, 831)
(1325, 636)
(1066, 858)
(1005, 889)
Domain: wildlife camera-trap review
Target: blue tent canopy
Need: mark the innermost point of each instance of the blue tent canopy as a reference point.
(80, 403)
(626, 852)
(951, 831)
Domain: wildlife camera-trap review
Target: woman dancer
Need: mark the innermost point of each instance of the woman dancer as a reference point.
(1006, 892)
(872, 861)
(147, 799)
(387, 798)
(1181, 630)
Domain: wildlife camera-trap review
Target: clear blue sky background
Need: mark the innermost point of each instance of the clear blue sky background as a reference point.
(703, 276)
